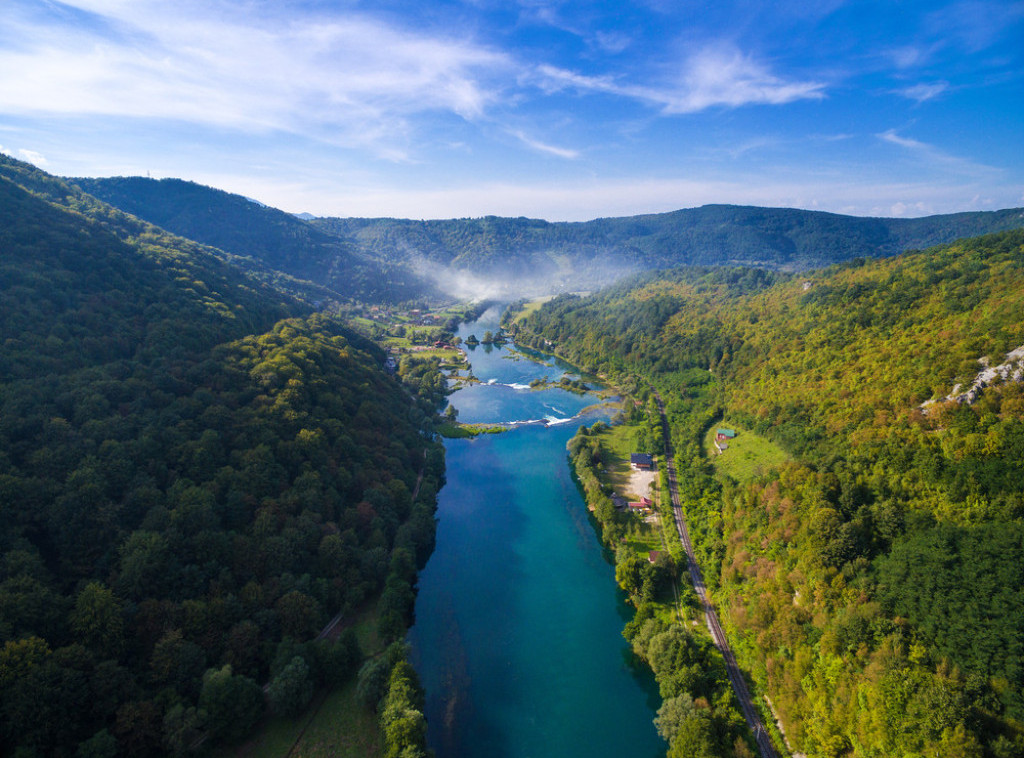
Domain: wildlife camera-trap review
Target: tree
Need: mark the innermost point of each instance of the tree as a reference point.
(673, 712)
(101, 745)
(299, 614)
(292, 689)
(178, 662)
(629, 573)
(232, 704)
(373, 682)
(98, 619)
(183, 729)
(337, 661)
(402, 720)
(694, 738)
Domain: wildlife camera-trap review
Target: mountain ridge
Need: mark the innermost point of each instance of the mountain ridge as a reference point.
(421, 257)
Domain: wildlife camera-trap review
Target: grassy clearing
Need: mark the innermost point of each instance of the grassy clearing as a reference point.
(749, 455)
(342, 728)
(365, 627)
(446, 356)
(618, 441)
(530, 307)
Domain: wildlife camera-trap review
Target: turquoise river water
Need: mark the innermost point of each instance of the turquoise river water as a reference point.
(518, 626)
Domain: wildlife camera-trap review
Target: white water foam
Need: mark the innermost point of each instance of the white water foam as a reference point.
(554, 421)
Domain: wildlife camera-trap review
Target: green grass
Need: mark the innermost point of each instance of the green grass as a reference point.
(749, 455)
(619, 442)
(530, 307)
(365, 627)
(341, 728)
(453, 356)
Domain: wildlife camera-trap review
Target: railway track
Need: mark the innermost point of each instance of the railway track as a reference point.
(739, 684)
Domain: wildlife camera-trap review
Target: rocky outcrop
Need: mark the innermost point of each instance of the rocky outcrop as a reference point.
(1010, 370)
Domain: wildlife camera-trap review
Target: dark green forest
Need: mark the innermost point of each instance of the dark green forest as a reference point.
(872, 586)
(196, 473)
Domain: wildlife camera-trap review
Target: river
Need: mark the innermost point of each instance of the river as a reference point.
(517, 637)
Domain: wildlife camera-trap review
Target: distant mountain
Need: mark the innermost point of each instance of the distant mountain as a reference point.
(244, 227)
(594, 252)
(394, 259)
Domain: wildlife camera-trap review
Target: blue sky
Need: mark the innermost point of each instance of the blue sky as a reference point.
(557, 110)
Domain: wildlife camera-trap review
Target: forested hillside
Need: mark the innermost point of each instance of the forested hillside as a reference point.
(196, 473)
(873, 585)
(587, 254)
(274, 238)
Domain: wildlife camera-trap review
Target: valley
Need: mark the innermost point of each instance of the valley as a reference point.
(223, 427)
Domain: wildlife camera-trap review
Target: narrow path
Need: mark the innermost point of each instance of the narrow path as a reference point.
(739, 684)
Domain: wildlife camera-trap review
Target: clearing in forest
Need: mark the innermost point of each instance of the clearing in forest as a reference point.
(746, 456)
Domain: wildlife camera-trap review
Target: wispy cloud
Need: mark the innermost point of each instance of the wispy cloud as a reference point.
(612, 42)
(714, 76)
(934, 157)
(924, 91)
(542, 147)
(911, 144)
(349, 80)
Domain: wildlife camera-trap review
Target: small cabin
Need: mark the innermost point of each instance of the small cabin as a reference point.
(641, 461)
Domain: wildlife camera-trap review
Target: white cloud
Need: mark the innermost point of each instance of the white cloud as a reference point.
(714, 76)
(349, 79)
(33, 157)
(911, 144)
(923, 91)
(934, 157)
(612, 42)
(542, 147)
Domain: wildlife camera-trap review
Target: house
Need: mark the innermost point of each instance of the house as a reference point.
(725, 434)
(641, 461)
(643, 504)
(653, 556)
